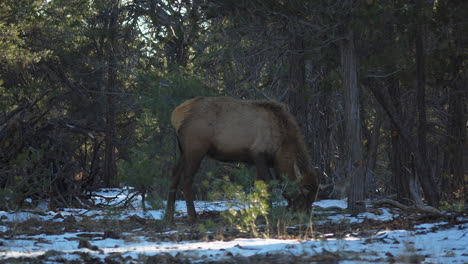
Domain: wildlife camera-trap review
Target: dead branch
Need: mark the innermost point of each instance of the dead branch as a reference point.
(416, 208)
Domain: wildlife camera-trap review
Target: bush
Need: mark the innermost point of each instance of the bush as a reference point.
(262, 203)
(145, 175)
(245, 208)
(29, 180)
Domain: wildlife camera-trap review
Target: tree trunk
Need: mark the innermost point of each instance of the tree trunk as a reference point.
(373, 138)
(399, 158)
(457, 132)
(355, 164)
(457, 135)
(399, 151)
(296, 94)
(109, 151)
(422, 165)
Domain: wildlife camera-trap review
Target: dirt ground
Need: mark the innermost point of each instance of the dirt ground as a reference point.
(210, 227)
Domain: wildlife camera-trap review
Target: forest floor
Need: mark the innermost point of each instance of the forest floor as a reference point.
(126, 234)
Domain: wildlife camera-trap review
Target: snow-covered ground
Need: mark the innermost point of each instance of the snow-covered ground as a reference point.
(436, 242)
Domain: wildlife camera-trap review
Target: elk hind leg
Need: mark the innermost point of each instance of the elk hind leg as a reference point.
(175, 179)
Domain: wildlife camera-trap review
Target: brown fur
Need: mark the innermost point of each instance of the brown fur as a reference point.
(258, 132)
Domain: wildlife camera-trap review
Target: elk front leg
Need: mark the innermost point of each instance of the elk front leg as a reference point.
(187, 183)
(263, 170)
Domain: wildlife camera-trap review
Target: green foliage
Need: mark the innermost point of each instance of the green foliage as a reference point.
(262, 203)
(216, 179)
(244, 176)
(17, 21)
(280, 217)
(205, 226)
(62, 47)
(6, 195)
(149, 164)
(245, 208)
(13, 49)
(160, 93)
(145, 174)
(139, 171)
(29, 179)
(32, 178)
(456, 202)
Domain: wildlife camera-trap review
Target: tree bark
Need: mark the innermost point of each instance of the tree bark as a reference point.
(422, 165)
(356, 168)
(457, 130)
(399, 151)
(373, 138)
(109, 173)
(296, 94)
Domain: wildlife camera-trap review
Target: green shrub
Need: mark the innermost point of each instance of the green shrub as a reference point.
(29, 179)
(245, 208)
(145, 175)
(263, 203)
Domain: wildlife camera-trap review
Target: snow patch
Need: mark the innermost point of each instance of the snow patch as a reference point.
(432, 241)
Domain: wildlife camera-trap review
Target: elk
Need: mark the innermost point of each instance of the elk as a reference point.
(262, 133)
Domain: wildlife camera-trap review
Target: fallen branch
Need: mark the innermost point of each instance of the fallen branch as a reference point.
(417, 208)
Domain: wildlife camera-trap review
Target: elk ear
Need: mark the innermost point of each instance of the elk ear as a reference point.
(297, 172)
